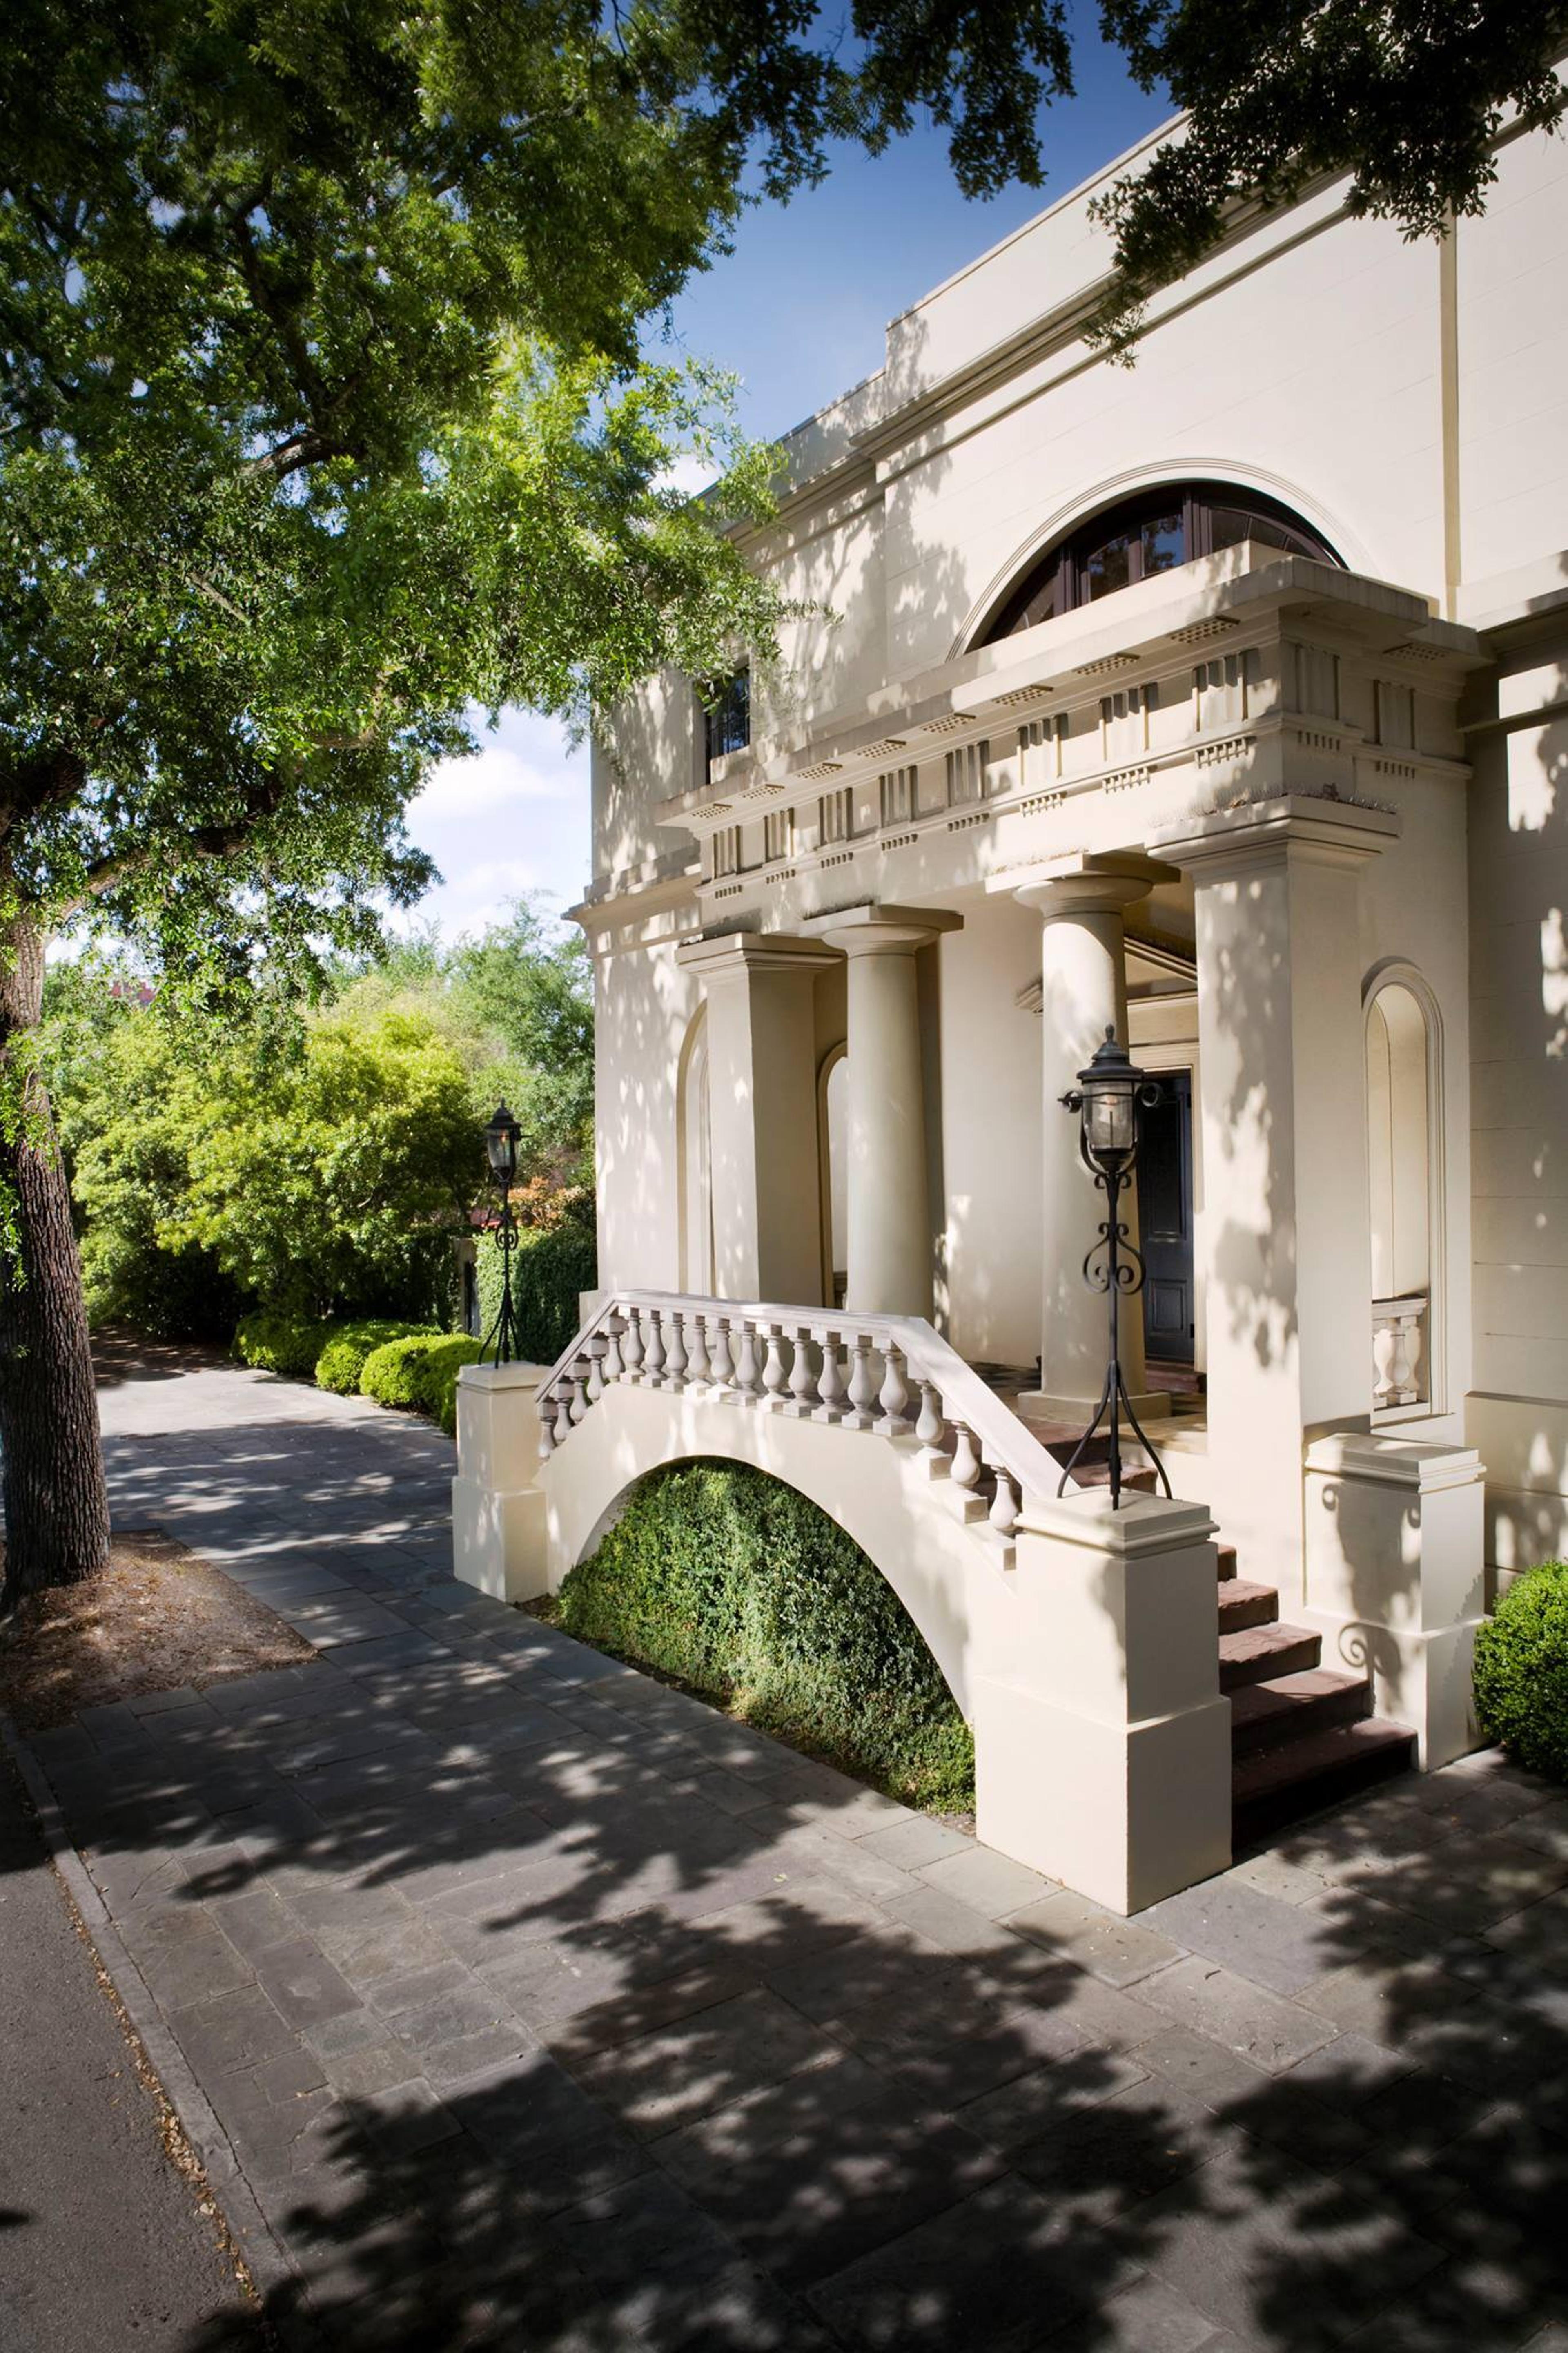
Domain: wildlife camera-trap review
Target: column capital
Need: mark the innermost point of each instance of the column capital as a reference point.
(877, 929)
(1265, 833)
(736, 956)
(1098, 882)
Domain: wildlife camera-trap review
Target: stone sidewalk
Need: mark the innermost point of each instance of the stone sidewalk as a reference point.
(544, 2009)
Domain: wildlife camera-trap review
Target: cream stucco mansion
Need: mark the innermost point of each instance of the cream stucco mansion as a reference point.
(1224, 701)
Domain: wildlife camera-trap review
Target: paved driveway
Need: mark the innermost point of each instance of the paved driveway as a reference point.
(544, 2009)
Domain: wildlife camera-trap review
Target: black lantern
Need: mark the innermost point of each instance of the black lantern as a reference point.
(1107, 1101)
(501, 1134)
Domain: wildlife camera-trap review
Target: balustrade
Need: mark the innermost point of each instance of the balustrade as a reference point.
(892, 1377)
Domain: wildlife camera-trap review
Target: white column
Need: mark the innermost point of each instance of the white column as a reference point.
(1277, 891)
(1083, 993)
(890, 1243)
(761, 1094)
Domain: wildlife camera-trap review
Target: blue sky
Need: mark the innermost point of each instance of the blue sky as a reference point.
(798, 311)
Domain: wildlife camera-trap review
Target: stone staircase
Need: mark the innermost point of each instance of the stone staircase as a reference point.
(1302, 1737)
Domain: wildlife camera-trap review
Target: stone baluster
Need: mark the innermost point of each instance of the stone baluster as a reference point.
(965, 1470)
(653, 1350)
(801, 1377)
(745, 1344)
(697, 1373)
(930, 1427)
(894, 1395)
(579, 1405)
(562, 1414)
(595, 1371)
(775, 1374)
(1004, 1511)
(862, 1386)
(723, 1371)
(631, 1347)
(675, 1360)
(830, 1382)
(613, 1368)
(547, 1411)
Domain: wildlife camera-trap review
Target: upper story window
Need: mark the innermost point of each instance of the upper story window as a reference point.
(1139, 536)
(727, 715)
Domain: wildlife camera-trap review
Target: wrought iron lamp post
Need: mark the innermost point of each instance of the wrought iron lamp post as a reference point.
(501, 1136)
(1108, 1099)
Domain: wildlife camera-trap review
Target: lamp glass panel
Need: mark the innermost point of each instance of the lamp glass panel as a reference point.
(1111, 1119)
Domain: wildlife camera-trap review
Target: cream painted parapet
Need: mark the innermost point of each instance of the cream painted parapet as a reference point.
(891, 1254)
(1078, 1642)
(762, 1096)
(1395, 1580)
(498, 1510)
(1083, 902)
(1286, 1241)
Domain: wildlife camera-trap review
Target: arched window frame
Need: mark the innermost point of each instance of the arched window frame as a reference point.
(1058, 581)
(1395, 971)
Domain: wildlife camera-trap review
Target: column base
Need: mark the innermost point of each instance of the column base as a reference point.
(1043, 1405)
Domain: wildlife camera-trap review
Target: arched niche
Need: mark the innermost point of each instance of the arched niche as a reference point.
(695, 1160)
(1405, 1190)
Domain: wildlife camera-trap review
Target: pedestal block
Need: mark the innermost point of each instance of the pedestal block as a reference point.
(1396, 1576)
(498, 1507)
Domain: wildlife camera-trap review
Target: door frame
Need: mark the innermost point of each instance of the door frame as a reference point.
(1160, 1056)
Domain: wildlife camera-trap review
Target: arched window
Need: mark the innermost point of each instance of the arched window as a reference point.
(1139, 537)
(1404, 1083)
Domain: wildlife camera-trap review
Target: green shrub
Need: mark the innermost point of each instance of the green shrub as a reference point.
(434, 1377)
(551, 1266)
(389, 1373)
(736, 1584)
(342, 1361)
(1522, 1671)
(289, 1344)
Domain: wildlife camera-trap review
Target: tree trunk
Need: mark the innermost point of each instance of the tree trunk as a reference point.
(56, 1500)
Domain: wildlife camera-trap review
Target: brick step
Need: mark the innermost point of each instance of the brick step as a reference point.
(1278, 1785)
(1226, 1554)
(1258, 1653)
(1288, 1708)
(1242, 1605)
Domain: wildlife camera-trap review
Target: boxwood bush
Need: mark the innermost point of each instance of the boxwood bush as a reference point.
(743, 1589)
(342, 1361)
(389, 1373)
(289, 1344)
(1522, 1671)
(434, 1377)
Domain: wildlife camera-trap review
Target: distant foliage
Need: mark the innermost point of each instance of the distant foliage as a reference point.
(744, 1589)
(1522, 1671)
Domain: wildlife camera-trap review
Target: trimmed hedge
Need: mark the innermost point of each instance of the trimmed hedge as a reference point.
(389, 1373)
(434, 1377)
(743, 1589)
(552, 1264)
(1522, 1671)
(342, 1361)
(288, 1344)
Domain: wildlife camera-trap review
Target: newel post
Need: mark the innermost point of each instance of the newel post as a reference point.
(497, 1505)
(1102, 1743)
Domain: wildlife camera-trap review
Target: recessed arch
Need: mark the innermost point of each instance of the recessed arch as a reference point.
(833, 1141)
(1405, 1170)
(1273, 499)
(694, 1159)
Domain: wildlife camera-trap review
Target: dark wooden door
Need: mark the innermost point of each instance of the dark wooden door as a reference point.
(1166, 1218)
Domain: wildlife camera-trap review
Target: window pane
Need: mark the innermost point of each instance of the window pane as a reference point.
(1109, 568)
(1230, 525)
(728, 722)
(1164, 544)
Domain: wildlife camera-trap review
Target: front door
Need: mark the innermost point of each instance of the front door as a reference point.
(1165, 1219)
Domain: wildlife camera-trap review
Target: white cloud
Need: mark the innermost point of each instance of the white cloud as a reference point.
(691, 473)
(489, 779)
(512, 820)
